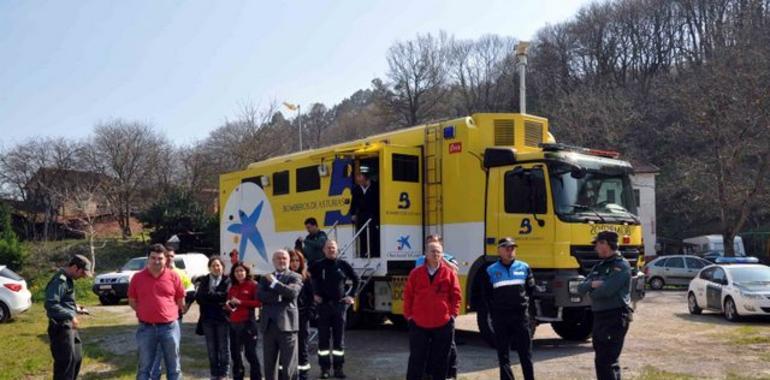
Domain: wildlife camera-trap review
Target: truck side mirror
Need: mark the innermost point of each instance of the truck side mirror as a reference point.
(578, 172)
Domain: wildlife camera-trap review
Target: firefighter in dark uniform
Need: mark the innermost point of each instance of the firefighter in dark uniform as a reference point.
(62, 311)
(365, 205)
(329, 276)
(507, 294)
(609, 284)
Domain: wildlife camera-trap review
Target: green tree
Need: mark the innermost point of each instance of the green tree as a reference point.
(11, 252)
(176, 213)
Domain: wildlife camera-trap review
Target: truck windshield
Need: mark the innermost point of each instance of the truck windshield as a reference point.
(592, 194)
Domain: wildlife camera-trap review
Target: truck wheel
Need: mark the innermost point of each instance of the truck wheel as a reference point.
(398, 320)
(484, 321)
(363, 320)
(576, 325)
(109, 300)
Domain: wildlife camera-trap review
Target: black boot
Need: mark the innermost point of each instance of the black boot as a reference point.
(325, 373)
(339, 374)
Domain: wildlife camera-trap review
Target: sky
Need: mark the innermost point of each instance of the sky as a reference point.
(186, 66)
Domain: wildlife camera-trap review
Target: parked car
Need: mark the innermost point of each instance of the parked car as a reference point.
(673, 270)
(15, 298)
(713, 256)
(707, 243)
(732, 289)
(113, 287)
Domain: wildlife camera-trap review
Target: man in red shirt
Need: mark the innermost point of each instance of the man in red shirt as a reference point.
(157, 295)
(431, 304)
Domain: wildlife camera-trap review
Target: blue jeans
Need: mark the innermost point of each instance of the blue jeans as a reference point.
(218, 346)
(152, 340)
(156, 369)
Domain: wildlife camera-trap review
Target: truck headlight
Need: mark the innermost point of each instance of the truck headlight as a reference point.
(123, 280)
(572, 285)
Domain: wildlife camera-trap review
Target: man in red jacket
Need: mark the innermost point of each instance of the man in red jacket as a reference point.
(431, 304)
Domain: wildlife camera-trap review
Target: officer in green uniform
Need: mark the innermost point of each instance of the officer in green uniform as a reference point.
(313, 244)
(609, 284)
(62, 313)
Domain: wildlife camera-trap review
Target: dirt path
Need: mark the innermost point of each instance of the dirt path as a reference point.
(663, 336)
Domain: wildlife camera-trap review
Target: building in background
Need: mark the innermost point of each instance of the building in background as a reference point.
(643, 182)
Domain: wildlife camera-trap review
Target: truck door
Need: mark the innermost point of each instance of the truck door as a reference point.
(401, 218)
(524, 212)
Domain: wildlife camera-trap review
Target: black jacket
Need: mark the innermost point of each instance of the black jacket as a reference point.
(212, 302)
(329, 278)
(365, 206)
(509, 287)
(305, 301)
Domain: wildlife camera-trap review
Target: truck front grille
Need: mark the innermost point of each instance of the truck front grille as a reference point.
(587, 257)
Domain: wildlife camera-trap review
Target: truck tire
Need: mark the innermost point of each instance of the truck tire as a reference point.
(399, 321)
(109, 300)
(488, 332)
(575, 326)
(485, 326)
(363, 320)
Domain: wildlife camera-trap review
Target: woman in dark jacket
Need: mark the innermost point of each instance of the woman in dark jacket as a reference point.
(211, 295)
(306, 310)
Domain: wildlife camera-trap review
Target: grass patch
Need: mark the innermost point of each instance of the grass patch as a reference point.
(750, 335)
(732, 376)
(109, 347)
(25, 351)
(652, 373)
(44, 259)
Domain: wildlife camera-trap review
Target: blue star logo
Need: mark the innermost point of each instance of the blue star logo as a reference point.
(403, 241)
(249, 232)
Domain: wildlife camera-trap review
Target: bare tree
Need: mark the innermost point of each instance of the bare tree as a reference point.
(417, 74)
(254, 135)
(315, 123)
(727, 105)
(482, 70)
(130, 153)
(82, 201)
(30, 170)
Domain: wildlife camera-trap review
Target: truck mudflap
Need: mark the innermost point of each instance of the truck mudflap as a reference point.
(637, 288)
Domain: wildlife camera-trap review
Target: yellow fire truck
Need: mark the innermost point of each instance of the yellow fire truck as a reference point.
(472, 180)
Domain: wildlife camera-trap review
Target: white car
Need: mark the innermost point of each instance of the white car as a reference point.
(113, 287)
(735, 290)
(15, 298)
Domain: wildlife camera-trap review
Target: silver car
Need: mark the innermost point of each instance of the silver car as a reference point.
(673, 270)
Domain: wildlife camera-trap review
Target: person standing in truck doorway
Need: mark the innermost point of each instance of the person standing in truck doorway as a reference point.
(365, 205)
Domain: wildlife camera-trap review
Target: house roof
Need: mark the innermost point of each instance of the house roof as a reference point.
(641, 167)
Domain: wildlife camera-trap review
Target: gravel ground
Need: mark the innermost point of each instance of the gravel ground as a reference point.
(663, 336)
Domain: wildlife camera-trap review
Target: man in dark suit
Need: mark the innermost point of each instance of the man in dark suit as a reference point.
(279, 317)
(365, 205)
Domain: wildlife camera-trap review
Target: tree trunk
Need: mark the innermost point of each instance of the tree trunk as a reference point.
(91, 247)
(728, 238)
